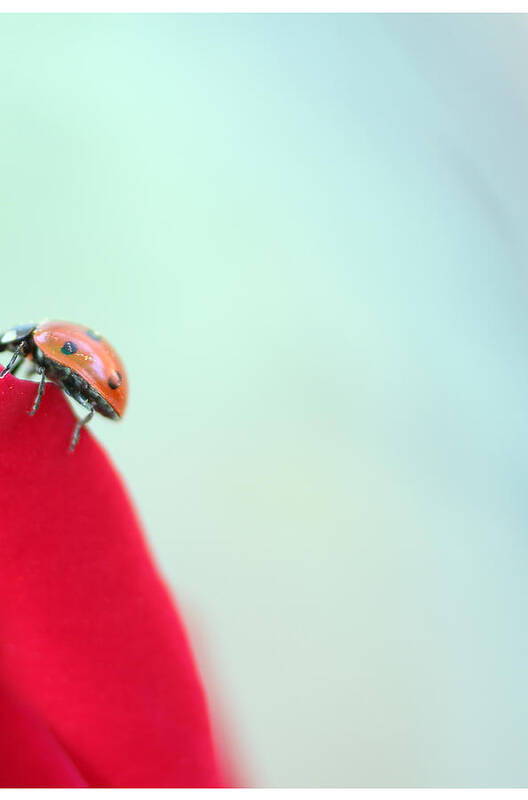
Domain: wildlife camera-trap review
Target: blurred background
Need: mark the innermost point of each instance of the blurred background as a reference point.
(306, 235)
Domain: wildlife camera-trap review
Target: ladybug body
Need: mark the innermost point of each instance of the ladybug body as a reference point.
(76, 358)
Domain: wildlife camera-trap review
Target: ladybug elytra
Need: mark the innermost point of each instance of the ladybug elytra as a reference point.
(80, 361)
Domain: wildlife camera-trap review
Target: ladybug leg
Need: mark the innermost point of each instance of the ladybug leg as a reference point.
(40, 392)
(16, 368)
(12, 361)
(80, 424)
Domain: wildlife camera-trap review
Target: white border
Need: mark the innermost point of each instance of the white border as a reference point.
(262, 6)
(274, 794)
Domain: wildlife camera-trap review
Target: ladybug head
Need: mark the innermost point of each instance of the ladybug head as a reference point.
(11, 338)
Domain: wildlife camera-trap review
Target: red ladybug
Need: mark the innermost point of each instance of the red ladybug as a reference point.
(78, 359)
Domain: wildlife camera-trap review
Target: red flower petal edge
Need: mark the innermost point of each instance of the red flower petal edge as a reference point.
(97, 682)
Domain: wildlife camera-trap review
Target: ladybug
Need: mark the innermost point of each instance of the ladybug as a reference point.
(83, 364)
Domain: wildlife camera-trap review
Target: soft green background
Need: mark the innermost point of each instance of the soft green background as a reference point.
(307, 237)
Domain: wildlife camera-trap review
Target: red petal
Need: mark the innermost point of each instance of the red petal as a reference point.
(89, 637)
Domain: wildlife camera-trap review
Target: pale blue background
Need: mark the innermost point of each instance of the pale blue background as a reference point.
(307, 236)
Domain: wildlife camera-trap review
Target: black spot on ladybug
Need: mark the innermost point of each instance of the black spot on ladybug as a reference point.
(93, 335)
(68, 348)
(114, 381)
